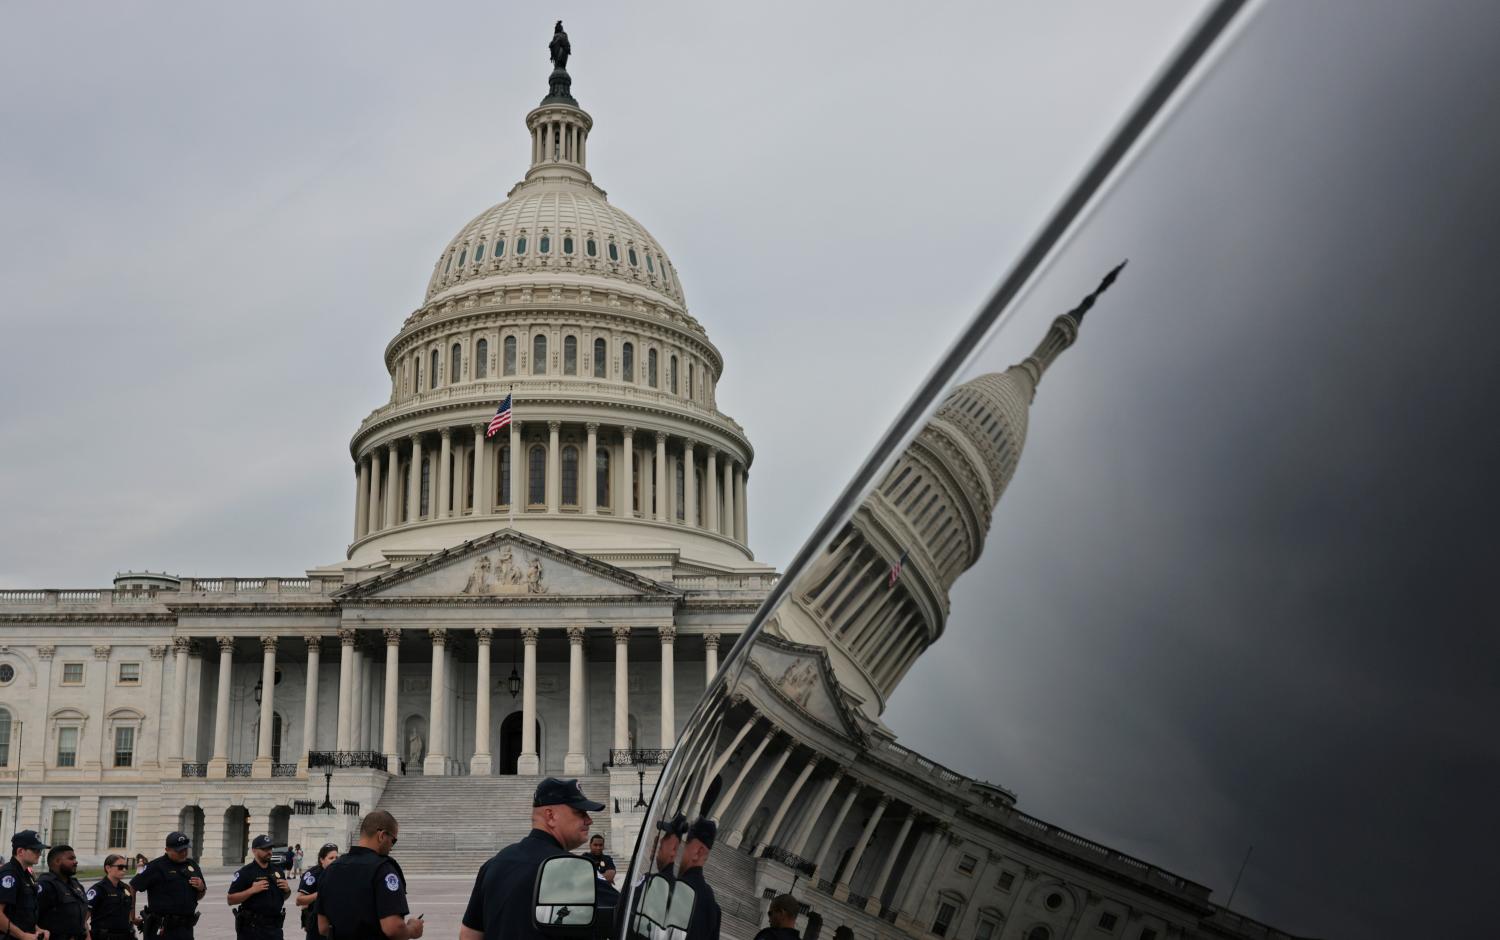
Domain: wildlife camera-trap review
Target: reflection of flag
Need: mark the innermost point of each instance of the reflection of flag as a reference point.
(896, 570)
(501, 418)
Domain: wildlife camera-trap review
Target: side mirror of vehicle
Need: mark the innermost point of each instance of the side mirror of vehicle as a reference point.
(564, 898)
(664, 912)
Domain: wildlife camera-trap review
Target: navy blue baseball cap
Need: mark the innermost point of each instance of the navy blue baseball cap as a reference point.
(703, 829)
(555, 792)
(262, 842)
(178, 840)
(677, 825)
(28, 839)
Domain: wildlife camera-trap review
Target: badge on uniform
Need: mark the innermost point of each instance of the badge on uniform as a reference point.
(308, 879)
(9, 881)
(89, 894)
(392, 882)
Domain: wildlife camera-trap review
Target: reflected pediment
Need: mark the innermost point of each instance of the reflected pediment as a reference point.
(800, 674)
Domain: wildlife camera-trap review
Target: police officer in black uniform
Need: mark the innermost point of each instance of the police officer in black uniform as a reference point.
(62, 906)
(112, 903)
(260, 889)
(18, 890)
(307, 889)
(362, 896)
(174, 885)
(603, 864)
(500, 905)
(704, 924)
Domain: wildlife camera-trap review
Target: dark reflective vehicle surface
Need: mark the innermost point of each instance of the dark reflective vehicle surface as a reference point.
(1171, 618)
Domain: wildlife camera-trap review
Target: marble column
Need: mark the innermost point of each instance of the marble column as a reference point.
(622, 687)
(362, 500)
(711, 482)
(482, 764)
(414, 484)
(310, 702)
(797, 844)
(588, 473)
(392, 484)
(482, 500)
(554, 466)
(373, 524)
(627, 473)
(833, 830)
(529, 764)
(517, 494)
(841, 888)
(668, 691)
(726, 522)
(727, 799)
(576, 762)
(784, 804)
(346, 688)
(356, 696)
(877, 888)
(444, 475)
(912, 900)
(436, 762)
(710, 658)
(261, 768)
(741, 514)
(757, 794)
(390, 738)
(180, 647)
(722, 760)
(689, 485)
(660, 481)
(218, 765)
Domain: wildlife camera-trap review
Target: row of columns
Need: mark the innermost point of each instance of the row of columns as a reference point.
(353, 732)
(378, 496)
(553, 141)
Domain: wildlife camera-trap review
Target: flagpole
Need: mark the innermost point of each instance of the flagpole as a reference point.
(511, 394)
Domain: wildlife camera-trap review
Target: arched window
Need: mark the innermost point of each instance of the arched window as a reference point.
(539, 354)
(651, 367)
(570, 475)
(691, 376)
(627, 361)
(508, 367)
(544, 245)
(1039, 933)
(634, 263)
(481, 359)
(650, 266)
(591, 248)
(570, 355)
(601, 358)
(567, 244)
(5, 738)
(672, 374)
(432, 374)
(681, 488)
(638, 483)
(455, 362)
(500, 247)
(462, 257)
(449, 266)
(521, 245)
(416, 376)
(425, 496)
(479, 252)
(614, 252)
(601, 478)
(536, 475)
(504, 475)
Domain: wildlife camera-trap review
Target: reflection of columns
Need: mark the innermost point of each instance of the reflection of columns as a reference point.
(841, 888)
(436, 763)
(798, 842)
(668, 692)
(310, 700)
(445, 472)
(588, 472)
(877, 889)
(218, 764)
(734, 788)
(529, 762)
(481, 494)
(768, 837)
(710, 658)
(373, 523)
(833, 830)
(389, 741)
(627, 473)
(689, 485)
(937, 836)
(362, 500)
(346, 688)
(747, 813)
(180, 647)
(482, 764)
(554, 466)
(721, 760)
(741, 525)
(659, 482)
(575, 762)
(711, 500)
(392, 483)
(622, 687)
(726, 523)
(262, 765)
(414, 484)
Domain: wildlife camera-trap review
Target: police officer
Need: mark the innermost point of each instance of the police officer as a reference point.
(500, 905)
(704, 924)
(174, 885)
(260, 889)
(62, 906)
(362, 896)
(307, 889)
(18, 890)
(112, 903)
(603, 864)
(783, 918)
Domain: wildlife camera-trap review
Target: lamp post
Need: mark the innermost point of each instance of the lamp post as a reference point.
(327, 789)
(640, 799)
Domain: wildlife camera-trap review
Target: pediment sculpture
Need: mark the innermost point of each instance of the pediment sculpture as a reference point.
(505, 575)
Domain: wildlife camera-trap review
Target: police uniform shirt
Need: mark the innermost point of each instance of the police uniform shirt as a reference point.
(267, 903)
(602, 862)
(308, 884)
(62, 907)
(110, 905)
(778, 933)
(166, 885)
(18, 892)
(704, 924)
(500, 905)
(364, 887)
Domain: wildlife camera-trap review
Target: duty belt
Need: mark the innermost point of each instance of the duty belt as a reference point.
(100, 934)
(252, 919)
(177, 920)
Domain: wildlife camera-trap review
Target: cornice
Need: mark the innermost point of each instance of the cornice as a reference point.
(86, 617)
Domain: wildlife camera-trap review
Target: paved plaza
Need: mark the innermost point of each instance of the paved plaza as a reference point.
(441, 898)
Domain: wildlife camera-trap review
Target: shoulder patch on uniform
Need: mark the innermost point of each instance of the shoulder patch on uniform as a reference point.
(90, 894)
(9, 881)
(308, 879)
(392, 883)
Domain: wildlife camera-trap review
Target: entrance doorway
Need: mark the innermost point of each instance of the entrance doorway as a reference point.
(510, 742)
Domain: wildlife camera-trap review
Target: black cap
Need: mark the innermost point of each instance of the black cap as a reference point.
(178, 840)
(677, 825)
(703, 829)
(555, 792)
(28, 839)
(262, 842)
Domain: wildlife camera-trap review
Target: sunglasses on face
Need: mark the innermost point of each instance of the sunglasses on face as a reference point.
(389, 836)
(121, 865)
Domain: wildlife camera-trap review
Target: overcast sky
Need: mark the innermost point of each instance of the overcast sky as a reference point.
(1239, 591)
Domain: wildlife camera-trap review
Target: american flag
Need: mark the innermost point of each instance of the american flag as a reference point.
(896, 570)
(501, 418)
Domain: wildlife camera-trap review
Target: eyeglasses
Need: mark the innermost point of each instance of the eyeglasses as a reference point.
(120, 865)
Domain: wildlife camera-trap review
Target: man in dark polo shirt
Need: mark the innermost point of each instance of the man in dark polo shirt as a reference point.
(18, 889)
(704, 924)
(500, 906)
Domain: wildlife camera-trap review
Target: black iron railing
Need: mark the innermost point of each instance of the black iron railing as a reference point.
(283, 770)
(351, 808)
(346, 759)
(195, 770)
(825, 886)
(888, 914)
(237, 770)
(777, 854)
(304, 807)
(638, 757)
(858, 900)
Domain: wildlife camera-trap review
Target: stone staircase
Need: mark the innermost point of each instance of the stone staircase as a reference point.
(454, 824)
(731, 872)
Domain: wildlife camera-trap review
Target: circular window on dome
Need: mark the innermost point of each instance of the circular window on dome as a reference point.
(521, 245)
(7, 673)
(614, 252)
(567, 245)
(591, 248)
(633, 262)
(1054, 901)
(545, 245)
